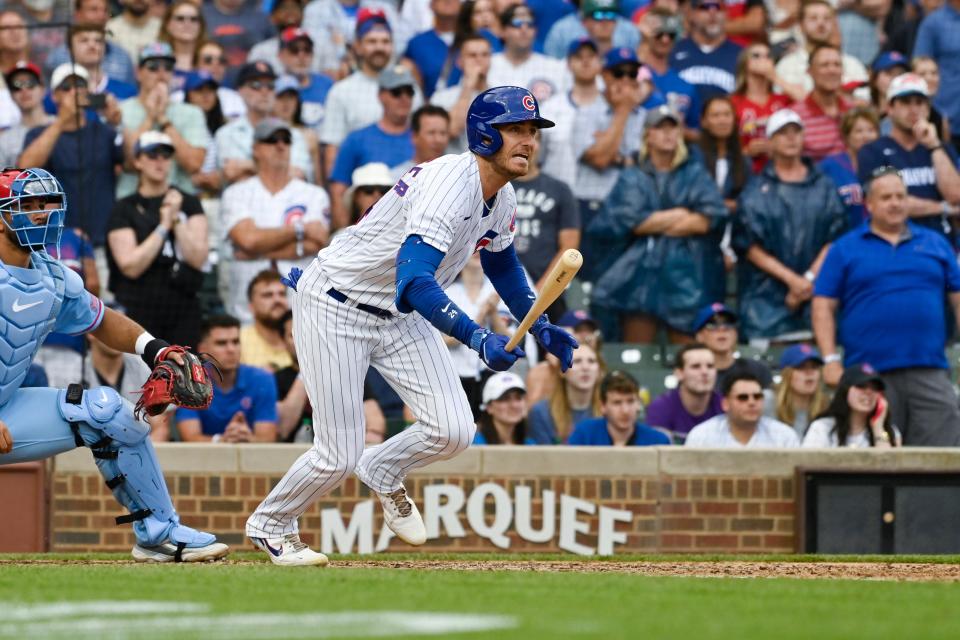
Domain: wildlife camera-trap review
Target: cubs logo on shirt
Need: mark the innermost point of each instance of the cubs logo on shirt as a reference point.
(487, 239)
(294, 213)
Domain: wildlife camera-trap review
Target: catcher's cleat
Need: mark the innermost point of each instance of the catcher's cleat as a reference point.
(403, 517)
(289, 551)
(182, 544)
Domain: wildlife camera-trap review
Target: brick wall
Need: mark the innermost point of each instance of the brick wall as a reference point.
(678, 500)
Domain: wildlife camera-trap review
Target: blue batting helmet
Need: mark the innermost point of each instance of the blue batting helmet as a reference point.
(500, 105)
(39, 223)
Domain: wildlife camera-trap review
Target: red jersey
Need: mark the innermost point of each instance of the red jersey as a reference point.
(752, 120)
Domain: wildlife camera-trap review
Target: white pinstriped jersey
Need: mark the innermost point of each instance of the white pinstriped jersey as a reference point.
(441, 201)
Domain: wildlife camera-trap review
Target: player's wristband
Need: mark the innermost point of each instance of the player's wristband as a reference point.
(152, 349)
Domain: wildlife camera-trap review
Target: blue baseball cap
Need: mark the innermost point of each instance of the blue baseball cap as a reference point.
(889, 60)
(797, 354)
(156, 50)
(715, 309)
(197, 79)
(620, 55)
(575, 317)
(286, 83)
(580, 43)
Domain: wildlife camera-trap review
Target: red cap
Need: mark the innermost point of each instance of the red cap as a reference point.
(292, 34)
(24, 65)
(366, 14)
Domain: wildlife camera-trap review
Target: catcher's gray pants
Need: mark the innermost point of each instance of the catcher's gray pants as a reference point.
(336, 343)
(924, 406)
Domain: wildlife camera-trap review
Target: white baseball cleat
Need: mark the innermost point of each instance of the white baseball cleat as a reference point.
(170, 552)
(289, 551)
(403, 517)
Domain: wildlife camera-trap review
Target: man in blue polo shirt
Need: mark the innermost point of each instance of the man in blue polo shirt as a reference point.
(888, 280)
(928, 167)
(244, 407)
(618, 427)
(707, 58)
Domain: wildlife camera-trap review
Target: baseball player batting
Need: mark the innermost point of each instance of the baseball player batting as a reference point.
(354, 308)
(38, 295)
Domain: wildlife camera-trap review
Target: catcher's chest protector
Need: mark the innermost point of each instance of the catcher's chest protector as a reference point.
(30, 300)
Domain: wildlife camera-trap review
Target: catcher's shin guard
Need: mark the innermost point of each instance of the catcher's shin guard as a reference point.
(121, 447)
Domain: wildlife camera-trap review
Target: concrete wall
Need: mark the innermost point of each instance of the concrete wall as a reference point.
(657, 499)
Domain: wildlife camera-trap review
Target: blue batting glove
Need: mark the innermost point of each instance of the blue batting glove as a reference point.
(292, 278)
(492, 349)
(555, 340)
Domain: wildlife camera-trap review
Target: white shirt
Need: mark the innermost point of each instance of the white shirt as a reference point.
(248, 198)
(820, 435)
(542, 75)
(466, 360)
(715, 433)
(442, 202)
(557, 157)
(793, 69)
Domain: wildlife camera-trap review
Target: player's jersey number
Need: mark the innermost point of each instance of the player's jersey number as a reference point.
(401, 187)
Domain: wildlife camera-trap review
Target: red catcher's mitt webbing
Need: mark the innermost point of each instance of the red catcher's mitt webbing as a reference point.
(187, 385)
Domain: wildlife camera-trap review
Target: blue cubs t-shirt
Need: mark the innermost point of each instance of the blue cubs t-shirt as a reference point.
(712, 72)
(594, 432)
(371, 144)
(839, 168)
(314, 97)
(431, 53)
(255, 393)
(680, 95)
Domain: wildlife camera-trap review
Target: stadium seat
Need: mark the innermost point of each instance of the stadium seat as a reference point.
(645, 362)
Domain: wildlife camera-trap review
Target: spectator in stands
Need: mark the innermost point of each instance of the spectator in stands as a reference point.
(289, 13)
(477, 17)
(429, 53)
(858, 415)
(389, 140)
(368, 184)
(927, 68)
(244, 407)
(548, 223)
(152, 110)
(800, 395)
(785, 221)
(185, 31)
(885, 68)
(353, 102)
(654, 53)
(37, 15)
(823, 108)
(289, 107)
(87, 44)
(518, 64)
(237, 26)
(661, 229)
(25, 82)
(133, 28)
(742, 424)
(858, 127)
(296, 58)
(755, 101)
(504, 416)
(211, 59)
(893, 278)
(542, 377)
(262, 340)
(294, 413)
(157, 240)
(340, 21)
(201, 90)
(430, 134)
(716, 327)
(14, 43)
(474, 294)
(860, 27)
(474, 59)
(271, 219)
(557, 143)
(575, 397)
(619, 426)
(706, 58)
(82, 152)
(818, 23)
(125, 372)
(606, 135)
(902, 34)
(574, 26)
(746, 21)
(235, 140)
(913, 146)
(720, 146)
(695, 398)
(116, 63)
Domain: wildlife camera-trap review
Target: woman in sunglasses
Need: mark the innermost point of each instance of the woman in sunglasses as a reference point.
(289, 107)
(858, 416)
(184, 29)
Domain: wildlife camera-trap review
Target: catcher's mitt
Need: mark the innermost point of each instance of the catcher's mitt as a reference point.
(187, 385)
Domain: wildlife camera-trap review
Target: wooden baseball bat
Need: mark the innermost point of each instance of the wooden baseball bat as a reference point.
(560, 276)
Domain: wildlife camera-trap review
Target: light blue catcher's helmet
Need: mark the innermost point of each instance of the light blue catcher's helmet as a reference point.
(33, 205)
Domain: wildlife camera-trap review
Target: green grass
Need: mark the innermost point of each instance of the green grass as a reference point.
(537, 605)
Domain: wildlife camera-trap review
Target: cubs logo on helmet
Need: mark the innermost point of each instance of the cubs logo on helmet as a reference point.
(496, 106)
(529, 103)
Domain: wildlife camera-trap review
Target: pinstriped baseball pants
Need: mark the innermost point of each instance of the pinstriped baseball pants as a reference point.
(335, 344)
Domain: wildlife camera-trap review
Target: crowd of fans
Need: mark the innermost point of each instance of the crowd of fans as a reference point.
(793, 160)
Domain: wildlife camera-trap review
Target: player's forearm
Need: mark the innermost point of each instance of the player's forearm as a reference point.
(118, 332)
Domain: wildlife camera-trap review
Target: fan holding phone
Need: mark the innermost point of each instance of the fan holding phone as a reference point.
(858, 416)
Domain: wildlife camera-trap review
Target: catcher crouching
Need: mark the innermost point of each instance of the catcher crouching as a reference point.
(39, 295)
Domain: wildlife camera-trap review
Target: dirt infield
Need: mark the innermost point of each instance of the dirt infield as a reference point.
(900, 571)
